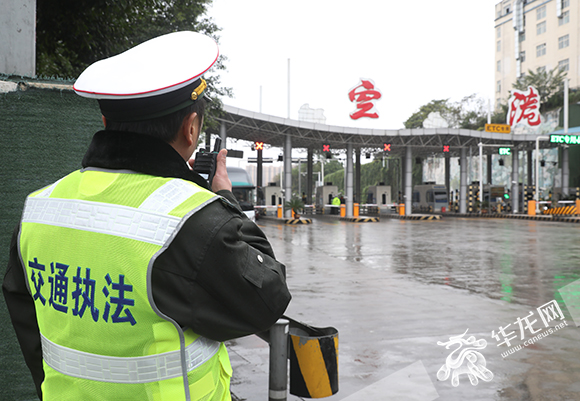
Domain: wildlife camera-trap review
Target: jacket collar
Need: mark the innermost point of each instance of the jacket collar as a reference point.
(145, 154)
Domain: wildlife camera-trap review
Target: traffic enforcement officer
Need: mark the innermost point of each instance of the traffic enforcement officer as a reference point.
(125, 277)
(335, 205)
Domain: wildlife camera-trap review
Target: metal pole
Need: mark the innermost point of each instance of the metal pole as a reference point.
(288, 88)
(278, 381)
(537, 195)
(515, 181)
(462, 182)
(565, 154)
(349, 181)
(223, 134)
(287, 175)
(481, 176)
(408, 181)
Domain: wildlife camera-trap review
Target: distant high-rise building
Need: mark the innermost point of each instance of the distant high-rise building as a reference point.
(532, 34)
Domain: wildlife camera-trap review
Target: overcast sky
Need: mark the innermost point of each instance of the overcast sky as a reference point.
(414, 51)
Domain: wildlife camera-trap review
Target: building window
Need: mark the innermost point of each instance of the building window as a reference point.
(541, 28)
(564, 65)
(498, 65)
(498, 86)
(522, 36)
(564, 19)
(499, 45)
(563, 41)
(506, 9)
(541, 12)
(565, 3)
(523, 56)
(498, 32)
(541, 50)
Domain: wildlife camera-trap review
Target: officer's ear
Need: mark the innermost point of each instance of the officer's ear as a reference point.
(104, 121)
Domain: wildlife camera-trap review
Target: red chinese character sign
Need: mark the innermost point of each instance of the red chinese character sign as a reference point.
(524, 107)
(364, 95)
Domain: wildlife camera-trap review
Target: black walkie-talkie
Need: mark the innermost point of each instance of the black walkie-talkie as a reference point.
(205, 161)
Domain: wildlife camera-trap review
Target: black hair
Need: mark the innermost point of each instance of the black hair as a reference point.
(165, 128)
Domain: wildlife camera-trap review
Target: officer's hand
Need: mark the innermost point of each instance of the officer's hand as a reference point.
(220, 179)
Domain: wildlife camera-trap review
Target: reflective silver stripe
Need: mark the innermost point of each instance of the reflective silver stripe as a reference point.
(104, 218)
(112, 369)
(167, 197)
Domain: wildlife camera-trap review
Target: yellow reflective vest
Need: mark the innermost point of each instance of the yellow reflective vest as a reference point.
(88, 244)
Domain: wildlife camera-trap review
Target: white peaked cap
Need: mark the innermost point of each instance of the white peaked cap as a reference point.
(155, 78)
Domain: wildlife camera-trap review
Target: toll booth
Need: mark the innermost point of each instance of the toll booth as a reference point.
(430, 197)
(324, 195)
(379, 194)
(272, 194)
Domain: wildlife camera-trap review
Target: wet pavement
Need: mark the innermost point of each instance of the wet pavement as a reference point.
(396, 288)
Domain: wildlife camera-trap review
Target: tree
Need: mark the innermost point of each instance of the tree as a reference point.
(72, 34)
(468, 113)
(416, 120)
(547, 83)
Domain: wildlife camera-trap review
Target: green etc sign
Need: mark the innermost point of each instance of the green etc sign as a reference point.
(565, 139)
(505, 151)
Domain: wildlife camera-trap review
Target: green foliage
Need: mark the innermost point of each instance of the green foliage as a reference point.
(547, 83)
(469, 113)
(416, 120)
(72, 34)
(330, 166)
(295, 204)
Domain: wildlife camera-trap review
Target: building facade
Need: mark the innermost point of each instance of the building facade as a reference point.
(532, 34)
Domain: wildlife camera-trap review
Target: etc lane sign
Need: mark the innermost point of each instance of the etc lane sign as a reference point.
(498, 128)
(565, 139)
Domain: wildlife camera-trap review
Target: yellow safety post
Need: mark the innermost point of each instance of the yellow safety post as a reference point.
(355, 210)
(577, 206)
(342, 210)
(531, 208)
(401, 209)
(279, 211)
(313, 360)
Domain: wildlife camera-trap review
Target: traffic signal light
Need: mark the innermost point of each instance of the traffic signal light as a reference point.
(501, 162)
(326, 149)
(386, 147)
(446, 148)
(259, 145)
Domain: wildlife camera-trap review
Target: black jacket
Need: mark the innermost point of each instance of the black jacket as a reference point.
(219, 275)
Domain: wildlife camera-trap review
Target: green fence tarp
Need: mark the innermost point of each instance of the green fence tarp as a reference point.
(44, 134)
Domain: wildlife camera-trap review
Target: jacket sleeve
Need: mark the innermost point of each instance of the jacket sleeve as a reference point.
(22, 313)
(219, 275)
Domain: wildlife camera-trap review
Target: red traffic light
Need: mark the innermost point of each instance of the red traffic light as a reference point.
(386, 147)
(326, 148)
(259, 145)
(446, 149)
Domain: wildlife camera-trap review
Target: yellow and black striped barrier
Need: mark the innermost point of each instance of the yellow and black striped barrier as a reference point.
(313, 360)
(416, 217)
(561, 210)
(297, 221)
(360, 219)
